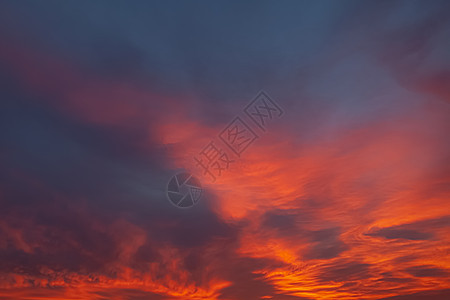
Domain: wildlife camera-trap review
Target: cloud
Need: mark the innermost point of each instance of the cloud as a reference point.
(427, 271)
(345, 196)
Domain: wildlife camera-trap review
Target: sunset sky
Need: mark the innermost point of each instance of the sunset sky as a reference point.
(343, 193)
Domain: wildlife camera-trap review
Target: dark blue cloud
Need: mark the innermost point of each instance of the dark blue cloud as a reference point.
(420, 230)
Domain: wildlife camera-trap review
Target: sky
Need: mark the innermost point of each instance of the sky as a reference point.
(330, 121)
